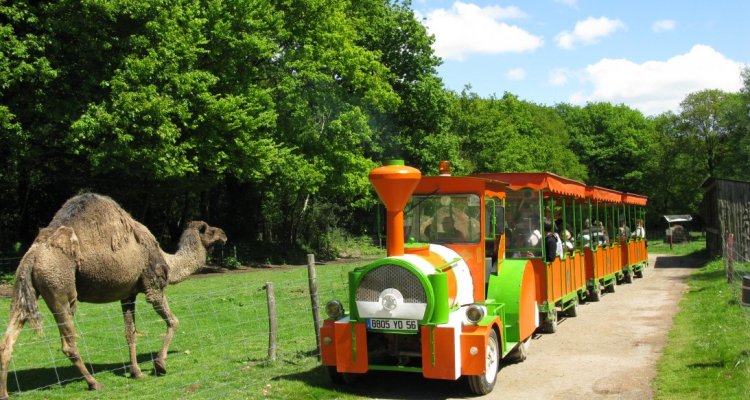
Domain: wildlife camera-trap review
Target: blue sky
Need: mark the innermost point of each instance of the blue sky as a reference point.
(646, 54)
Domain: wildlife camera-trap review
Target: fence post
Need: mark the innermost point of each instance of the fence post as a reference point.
(730, 258)
(313, 280)
(271, 321)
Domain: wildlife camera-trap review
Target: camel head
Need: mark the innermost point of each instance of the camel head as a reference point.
(209, 235)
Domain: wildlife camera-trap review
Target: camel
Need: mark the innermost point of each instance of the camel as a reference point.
(94, 251)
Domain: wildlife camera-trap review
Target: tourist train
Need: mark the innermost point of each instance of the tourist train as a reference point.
(475, 266)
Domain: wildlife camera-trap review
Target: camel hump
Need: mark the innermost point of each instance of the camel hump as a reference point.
(95, 216)
(84, 205)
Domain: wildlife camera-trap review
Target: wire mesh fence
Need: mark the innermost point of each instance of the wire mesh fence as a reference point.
(220, 349)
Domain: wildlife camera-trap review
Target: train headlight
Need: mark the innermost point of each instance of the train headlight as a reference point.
(474, 313)
(334, 309)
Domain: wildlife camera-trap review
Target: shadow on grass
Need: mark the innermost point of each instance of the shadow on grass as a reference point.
(46, 378)
(385, 385)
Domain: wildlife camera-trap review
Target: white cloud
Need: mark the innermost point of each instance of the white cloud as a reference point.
(658, 86)
(516, 74)
(470, 29)
(588, 31)
(663, 25)
(558, 77)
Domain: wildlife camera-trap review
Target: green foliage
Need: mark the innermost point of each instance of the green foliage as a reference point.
(707, 355)
(511, 135)
(614, 142)
(7, 278)
(231, 262)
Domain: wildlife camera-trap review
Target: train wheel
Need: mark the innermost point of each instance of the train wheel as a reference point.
(549, 324)
(483, 384)
(628, 277)
(639, 273)
(582, 297)
(336, 376)
(572, 311)
(520, 352)
(342, 377)
(594, 293)
(610, 288)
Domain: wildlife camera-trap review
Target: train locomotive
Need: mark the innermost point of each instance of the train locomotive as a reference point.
(459, 290)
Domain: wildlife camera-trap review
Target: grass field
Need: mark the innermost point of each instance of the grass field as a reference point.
(708, 354)
(219, 352)
(696, 244)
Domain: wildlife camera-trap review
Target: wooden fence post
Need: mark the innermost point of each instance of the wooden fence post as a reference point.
(313, 281)
(730, 258)
(271, 321)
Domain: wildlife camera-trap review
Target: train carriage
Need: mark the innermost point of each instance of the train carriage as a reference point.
(602, 254)
(534, 198)
(633, 235)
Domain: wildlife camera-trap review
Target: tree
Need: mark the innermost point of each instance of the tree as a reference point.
(614, 142)
(705, 120)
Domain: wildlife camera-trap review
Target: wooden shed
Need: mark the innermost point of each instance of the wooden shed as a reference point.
(726, 209)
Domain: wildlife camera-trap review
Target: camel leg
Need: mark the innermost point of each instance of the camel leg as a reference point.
(128, 312)
(159, 301)
(67, 329)
(6, 351)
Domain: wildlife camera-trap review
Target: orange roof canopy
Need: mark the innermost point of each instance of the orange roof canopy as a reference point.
(598, 193)
(539, 181)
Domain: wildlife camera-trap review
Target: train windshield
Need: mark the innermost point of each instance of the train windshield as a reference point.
(443, 218)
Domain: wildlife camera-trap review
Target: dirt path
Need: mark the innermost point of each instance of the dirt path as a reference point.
(608, 352)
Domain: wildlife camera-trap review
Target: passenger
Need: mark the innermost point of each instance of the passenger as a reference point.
(535, 235)
(603, 235)
(600, 234)
(585, 235)
(450, 232)
(552, 242)
(623, 231)
(640, 231)
(569, 245)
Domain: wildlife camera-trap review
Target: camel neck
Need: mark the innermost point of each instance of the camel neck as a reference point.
(189, 258)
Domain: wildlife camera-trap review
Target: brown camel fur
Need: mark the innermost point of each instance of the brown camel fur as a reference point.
(94, 251)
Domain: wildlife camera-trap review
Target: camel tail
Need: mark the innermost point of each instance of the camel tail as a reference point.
(25, 305)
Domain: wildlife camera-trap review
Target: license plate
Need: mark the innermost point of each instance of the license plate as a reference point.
(393, 324)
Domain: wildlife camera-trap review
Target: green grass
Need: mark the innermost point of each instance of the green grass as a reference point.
(220, 349)
(708, 353)
(696, 244)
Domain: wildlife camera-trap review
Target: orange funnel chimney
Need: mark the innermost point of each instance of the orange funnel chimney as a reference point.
(395, 183)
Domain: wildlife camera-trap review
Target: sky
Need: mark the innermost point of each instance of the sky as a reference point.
(646, 54)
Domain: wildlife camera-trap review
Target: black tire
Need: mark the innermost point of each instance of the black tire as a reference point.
(549, 323)
(639, 273)
(610, 288)
(335, 376)
(483, 384)
(520, 352)
(582, 297)
(342, 378)
(595, 293)
(572, 311)
(628, 277)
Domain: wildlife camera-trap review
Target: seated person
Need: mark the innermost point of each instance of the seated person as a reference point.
(450, 232)
(552, 243)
